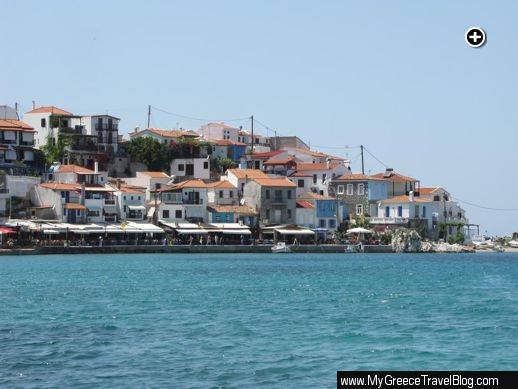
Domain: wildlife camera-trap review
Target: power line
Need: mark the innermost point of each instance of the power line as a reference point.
(484, 207)
(373, 156)
(198, 119)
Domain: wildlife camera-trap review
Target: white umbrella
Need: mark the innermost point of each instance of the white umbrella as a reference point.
(359, 230)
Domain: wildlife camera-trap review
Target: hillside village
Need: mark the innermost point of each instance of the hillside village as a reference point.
(64, 176)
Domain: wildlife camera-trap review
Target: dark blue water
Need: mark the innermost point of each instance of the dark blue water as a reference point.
(264, 320)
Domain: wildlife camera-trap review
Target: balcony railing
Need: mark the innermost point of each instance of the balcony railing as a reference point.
(388, 220)
(106, 127)
(109, 201)
(193, 201)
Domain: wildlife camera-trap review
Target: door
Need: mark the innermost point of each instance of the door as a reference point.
(277, 215)
(189, 169)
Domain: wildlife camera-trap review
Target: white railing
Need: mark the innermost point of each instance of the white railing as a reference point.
(388, 220)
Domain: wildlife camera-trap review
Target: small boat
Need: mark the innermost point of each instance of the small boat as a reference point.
(513, 243)
(280, 247)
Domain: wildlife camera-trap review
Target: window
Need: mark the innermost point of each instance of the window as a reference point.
(387, 211)
(138, 197)
(361, 189)
(43, 123)
(221, 194)
(63, 194)
(131, 198)
(322, 223)
(359, 209)
(400, 211)
(205, 165)
(278, 195)
(181, 167)
(165, 214)
(267, 193)
(124, 209)
(289, 213)
(268, 214)
(314, 178)
(300, 183)
(424, 211)
(332, 223)
(350, 189)
(289, 194)
(178, 214)
(124, 197)
(324, 176)
(340, 189)
(436, 198)
(230, 194)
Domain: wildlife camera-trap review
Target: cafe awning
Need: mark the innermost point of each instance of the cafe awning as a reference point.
(301, 231)
(236, 232)
(193, 231)
(136, 207)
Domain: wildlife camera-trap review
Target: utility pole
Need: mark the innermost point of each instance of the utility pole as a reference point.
(252, 128)
(363, 164)
(33, 104)
(148, 115)
(16, 109)
(275, 132)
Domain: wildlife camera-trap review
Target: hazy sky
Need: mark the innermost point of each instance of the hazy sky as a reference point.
(395, 76)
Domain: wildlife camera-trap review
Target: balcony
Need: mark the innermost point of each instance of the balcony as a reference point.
(193, 201)
(106, 127)
(388, 220)
(71, 131)
(109, 201)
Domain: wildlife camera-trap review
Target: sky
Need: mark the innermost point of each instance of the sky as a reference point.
(395, 76)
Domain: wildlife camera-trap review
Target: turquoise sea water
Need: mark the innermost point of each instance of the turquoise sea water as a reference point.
(240, 320)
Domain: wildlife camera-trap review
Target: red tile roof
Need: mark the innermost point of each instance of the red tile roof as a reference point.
(15, 125)
(247, 173)
(227, 142)
(194, 183)
(51, 109)
(317, 166)
(173, 134)
(221, 185)
(277, 182)
(59, 186)
(279, 161)
(266, 155)
(428, 191)
(75, 169)
(304, 204)
(316, 196)
(394, 177)
(240, 209)
(358, 177)
(155, 174)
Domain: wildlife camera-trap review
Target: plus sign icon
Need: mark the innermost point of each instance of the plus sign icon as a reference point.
(475, 37)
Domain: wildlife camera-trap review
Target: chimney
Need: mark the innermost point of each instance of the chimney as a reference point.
(388, 172)
(411, 196)
(96, 167)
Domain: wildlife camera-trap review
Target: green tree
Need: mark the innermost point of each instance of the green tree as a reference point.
(223, 164)
(155, 155)
(55, 151)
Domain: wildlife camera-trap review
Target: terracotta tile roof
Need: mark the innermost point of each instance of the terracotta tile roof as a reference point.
(358, 177)
(129, 189)
(75, 169)
(15, 125)
(317, 166)
(277, 182)
(51, 109)
(266, 155)
(59, 186)
(247, 173)
(394, 177)
(405, 199)
(174, 134)
(308, 152)
(304, 204)
(227, 142)
(301, 174)
(155, 174)
(221, 185)
(316, 196)
(279, 161)
(194, 183)
(428, 191)
(74, 206)
(240, 209)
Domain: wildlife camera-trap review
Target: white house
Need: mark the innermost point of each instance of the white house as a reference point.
(239, 177)
(315, 177)
(148, 180)
(191, 168)
(16, 141)
(105, 128)
(217, 131)
(186, 201)
(222, 193)
(131, 201)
